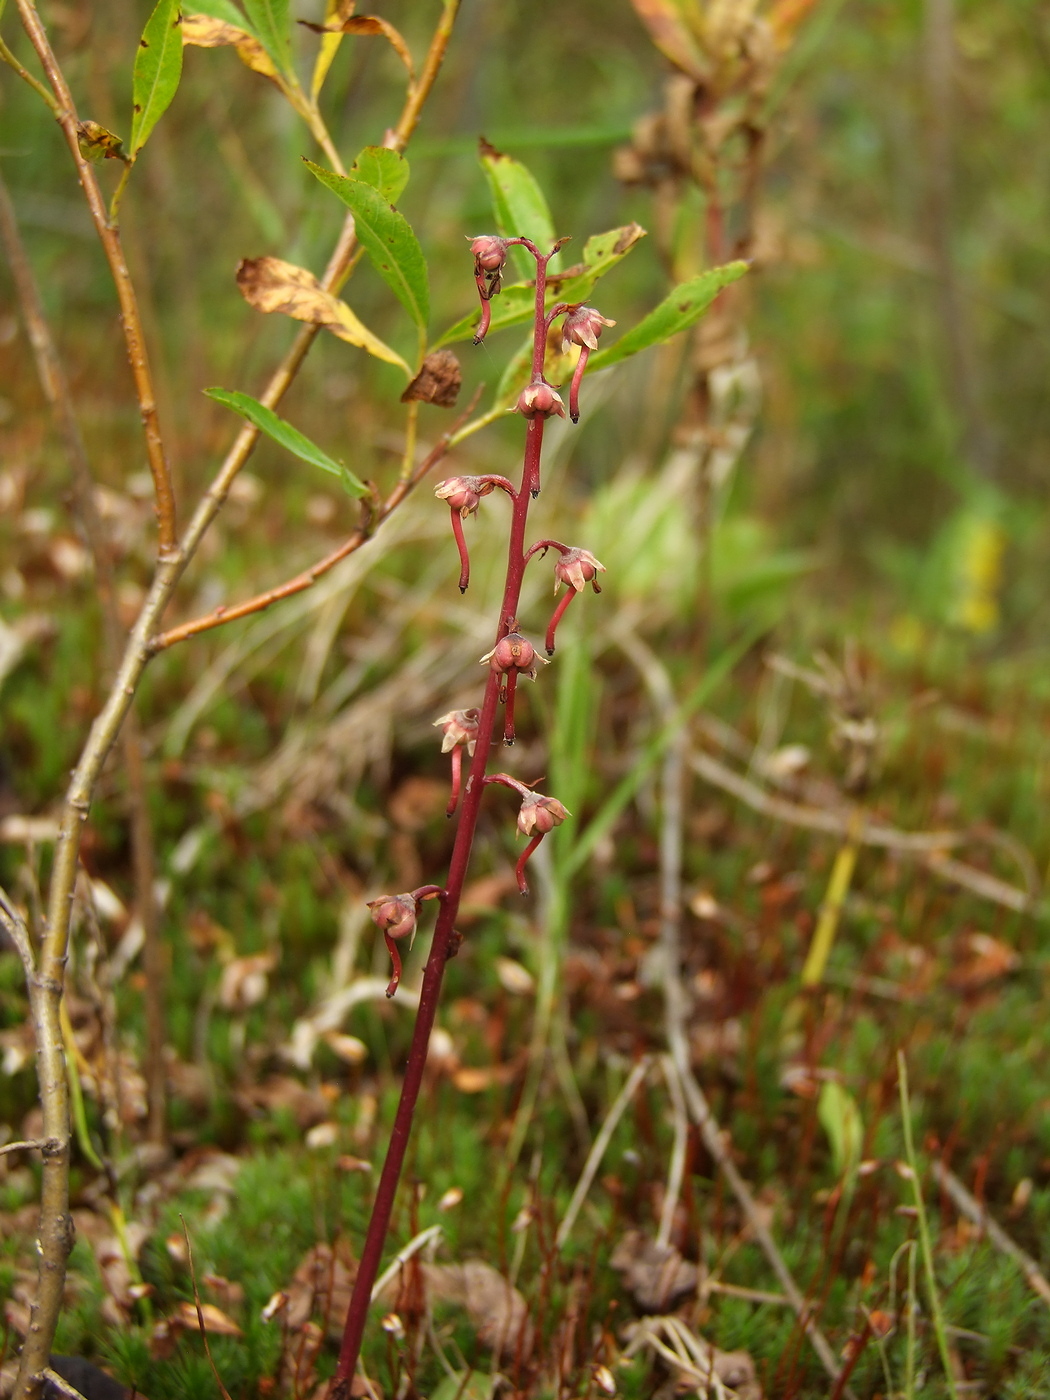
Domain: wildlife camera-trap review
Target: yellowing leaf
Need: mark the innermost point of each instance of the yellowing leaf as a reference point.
(206, 32)
(270, 284)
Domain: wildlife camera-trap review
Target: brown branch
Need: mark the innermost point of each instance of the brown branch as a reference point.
(45, 984)
(223, 613)
(928, 846)
(975, 1212)
(57, 392)
(131, 322)
(673, 796)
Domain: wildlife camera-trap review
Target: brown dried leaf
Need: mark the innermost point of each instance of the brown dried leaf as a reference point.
(438, 382)
(671, 36)
(204, 32)
(655, 1275)
(321, 1288)
(369, 24)
(980, 959)
(216, 1322)
(496, 1309)
(270, 284)
(244, 981)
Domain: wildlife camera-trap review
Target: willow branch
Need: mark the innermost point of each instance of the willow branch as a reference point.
(131, 322)
(364, 532)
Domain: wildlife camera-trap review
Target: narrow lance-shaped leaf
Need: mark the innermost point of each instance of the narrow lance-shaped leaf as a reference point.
(272, 22)
(518, 203)
(387, 238)
(286, 436)
(158, 67)
(385, 170)
(686, 304)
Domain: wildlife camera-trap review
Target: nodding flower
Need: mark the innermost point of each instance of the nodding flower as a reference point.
(578, 568)
(582, 326)
(463, 493)
(540, 814)
(539, 400)
(490, 256)
(459, 727)
(514, 654)
(395, 914)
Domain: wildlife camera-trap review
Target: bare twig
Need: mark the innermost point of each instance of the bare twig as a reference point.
(928, 846)
(223, 614)
(56, 389)
(17, 931)
(130, 320)
(675, 1002)
(45, 983)
(676, 1170)
(974, 1211)
(599, 1148)
(32, 1145)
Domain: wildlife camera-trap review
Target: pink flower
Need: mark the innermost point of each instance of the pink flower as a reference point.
(459, 727)
(582, 326)
(540, 814)
(463, 493)
(490, 253)
(514, 653)
(539, 400)
(395, 914)
(577, 568)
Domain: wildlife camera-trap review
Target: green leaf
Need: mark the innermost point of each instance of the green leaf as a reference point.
(686, 304)
(383, 169)
(288, 437)
(514, 305)
(518, 203)
(224, 10)
(273, 27)
(387, 238)
(840, 1118)
(158, 67)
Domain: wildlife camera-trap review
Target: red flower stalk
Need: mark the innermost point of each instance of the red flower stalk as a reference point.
(460, 731)
(512, 655)
(464, 493)
(582, 326)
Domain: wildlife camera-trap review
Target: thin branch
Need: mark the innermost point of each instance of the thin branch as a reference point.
(928, 846)
(130, 319)
(658, 682)
(676, 1169)
(974, 1211)
(33, 1145)
(223, 614)
(17, 931)
(599, 1148)
(53, 380)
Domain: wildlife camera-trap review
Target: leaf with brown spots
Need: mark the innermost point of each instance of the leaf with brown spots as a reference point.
(270, 284)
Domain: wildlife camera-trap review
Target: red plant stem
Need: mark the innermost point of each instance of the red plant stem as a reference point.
(519, 869)
(461, 545)
(574, 387)
(445, 939)
(556, 617)
(457, 772)
(544, 545)
(508, 708)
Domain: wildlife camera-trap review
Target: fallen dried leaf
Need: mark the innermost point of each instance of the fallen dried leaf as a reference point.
(496, 1309)
(655, 1275)
(216, 1322)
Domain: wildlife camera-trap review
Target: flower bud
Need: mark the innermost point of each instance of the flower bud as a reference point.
(463, 493)
(540, 814)
(539, 400)
(577, 568)
(459, 727)
(395, 914)
(514, 653)
(490, 253)
(582, 326)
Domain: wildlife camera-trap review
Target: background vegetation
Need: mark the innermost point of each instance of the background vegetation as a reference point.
(882, 507)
